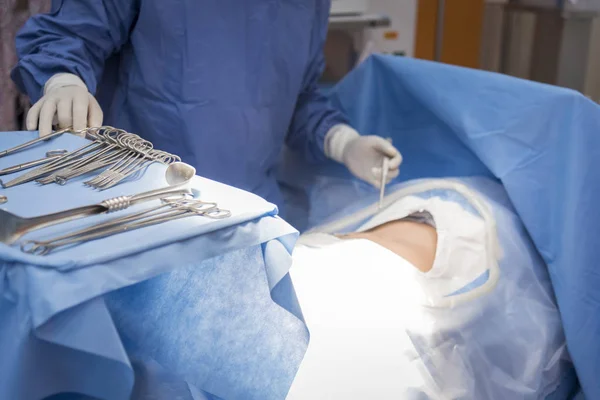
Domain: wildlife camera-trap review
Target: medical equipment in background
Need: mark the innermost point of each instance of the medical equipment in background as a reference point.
(357, 29)
(354, 7)
(427, 29)
(397, 36)
(118, 153)
(548, 41)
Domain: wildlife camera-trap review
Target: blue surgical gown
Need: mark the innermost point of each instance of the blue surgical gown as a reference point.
(221, 83)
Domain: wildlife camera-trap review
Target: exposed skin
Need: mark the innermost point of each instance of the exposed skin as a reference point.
(413, 241)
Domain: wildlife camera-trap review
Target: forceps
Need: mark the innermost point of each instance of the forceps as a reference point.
(385, 166)
(46, 169)
(32, 142)
(177, 175)
(176, 209)
(50, 156)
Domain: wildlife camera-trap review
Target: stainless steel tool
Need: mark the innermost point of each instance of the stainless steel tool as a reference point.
(67, 159)
(34, 141)
(170, 210)
(12, 227)
(118, 153)
(385, 166)
(50, 156)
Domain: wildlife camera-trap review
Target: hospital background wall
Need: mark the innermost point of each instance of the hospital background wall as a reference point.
(549, 41)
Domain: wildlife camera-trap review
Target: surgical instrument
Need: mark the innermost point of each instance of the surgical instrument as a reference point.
(128, 167)
(66, 160)
(131, 155)
(12, 227)
(50, 156)
(34, 141)
(122, 153)
(177, 209)
(109, 150)
(384, 172)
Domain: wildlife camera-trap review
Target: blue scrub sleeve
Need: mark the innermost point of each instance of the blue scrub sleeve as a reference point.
(314, 115)
(76, 36)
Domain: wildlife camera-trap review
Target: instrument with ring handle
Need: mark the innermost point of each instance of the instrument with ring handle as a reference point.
(50, 156)
(34, 141)
(170, 210)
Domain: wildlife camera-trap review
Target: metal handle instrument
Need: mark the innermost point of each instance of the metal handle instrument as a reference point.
(34, 141)
(385, 166)
(50, 156)
(12, 227)
(177, 209)
(119, 154)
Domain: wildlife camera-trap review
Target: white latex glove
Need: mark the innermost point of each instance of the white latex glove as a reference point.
(363, 155)
(66, 103)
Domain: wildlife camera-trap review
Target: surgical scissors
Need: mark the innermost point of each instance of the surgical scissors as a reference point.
(50, 156)
(34, 141)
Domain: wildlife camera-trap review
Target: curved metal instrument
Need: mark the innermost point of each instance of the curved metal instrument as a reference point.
(34, 141)
(118, 153)
(12, 227)
(50, 156)
(170, 210)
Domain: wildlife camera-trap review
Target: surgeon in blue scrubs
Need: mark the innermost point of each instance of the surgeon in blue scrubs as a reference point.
(221, 83)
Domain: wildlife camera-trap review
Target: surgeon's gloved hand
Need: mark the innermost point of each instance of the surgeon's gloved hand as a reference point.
(66, 102)
(363, 155)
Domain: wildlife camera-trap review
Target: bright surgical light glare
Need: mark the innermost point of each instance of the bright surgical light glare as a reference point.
(359, 301)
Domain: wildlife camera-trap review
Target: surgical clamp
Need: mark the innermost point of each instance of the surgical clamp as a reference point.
(32, 142)
(177, 209)
(50, 156)
(12, 227)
